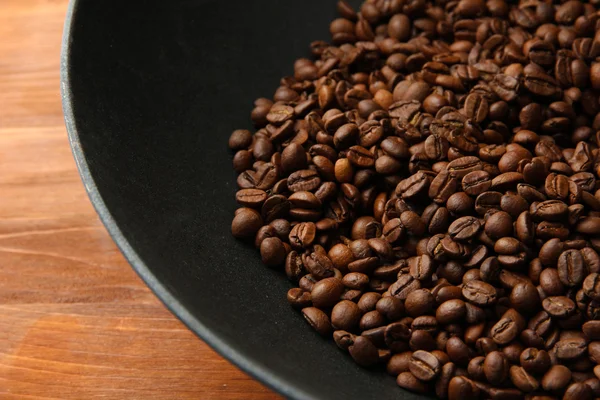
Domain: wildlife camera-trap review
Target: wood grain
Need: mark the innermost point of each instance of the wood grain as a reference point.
(75, 321)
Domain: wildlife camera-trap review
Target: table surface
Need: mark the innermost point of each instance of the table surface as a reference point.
(75, 321)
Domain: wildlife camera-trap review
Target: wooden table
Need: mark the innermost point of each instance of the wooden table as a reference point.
(75, 320)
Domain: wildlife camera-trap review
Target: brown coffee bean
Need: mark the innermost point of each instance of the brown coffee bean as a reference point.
(424, 365)
(364, 352)
(462, 388)
(508, 327)
(326, 292)
(571, 268)
(535, 361)
(499, 225)
(496, 367)
(318, 320)
(464, 228)
(556, 379)
(558, 306)
(408, 381)
(523, 380)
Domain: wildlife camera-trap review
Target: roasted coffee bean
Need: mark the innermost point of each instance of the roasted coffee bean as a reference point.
(462, 388)
(571, 268)
(424, 365)
(479, 293)
(458, 351)
(569, 349)
(464, 228)
(525, 298)
(508, 327)
(535, 361)
(345, 315)
(318, 320)
(476, 182)
(496, 367)
(556, 379)
(364, 352)
(523, 380)
(559, 306)
(407, 380)
(326, 292)
(499, 225)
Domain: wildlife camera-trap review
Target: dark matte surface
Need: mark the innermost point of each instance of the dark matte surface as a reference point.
(152, 91)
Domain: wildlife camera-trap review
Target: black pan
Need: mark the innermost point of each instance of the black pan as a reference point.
(152, 90)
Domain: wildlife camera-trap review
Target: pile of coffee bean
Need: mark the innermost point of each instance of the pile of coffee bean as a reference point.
(429, 183)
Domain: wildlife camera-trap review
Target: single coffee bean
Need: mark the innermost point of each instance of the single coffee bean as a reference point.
(364, 352)
(571, 268)
(508, 327)
(408, 381)
(462, 388)
(458, 351)
(424, 365)
(569, 349)
(523, 380)
(592, 330)
(451, 311)
(559, 306)
(535, 361)
(499, 225)
(556, 379)
(299, 298)
(327, 292)
(480, 293)
(496, 367)
(345, 315)
(464, 228)
(578, 390)
(318, 320)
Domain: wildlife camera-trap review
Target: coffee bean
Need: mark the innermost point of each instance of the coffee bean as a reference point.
(326, 292)
(403, 286)
(556, 379)
(451, 311)
(525, 298)
(302, 235)
(458, 351)
(424, 366)
(499, 225)
(246, 223)
(571, 268)
(419, 302)
(569, 349)
(578, 390)
(535, 361)
(317, 319)
(496, 367)
(508, 327)
(523, 380)
(364, 352)
(592, 329)
(487, 201)
(272, 252)
(299, 298)
(462, 388)
(464, 228)
(317, 262)
(558, 306)
(460, 167)
(407, 380)
(476, 107)
(476, 183)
